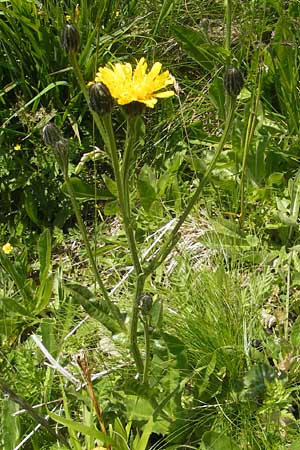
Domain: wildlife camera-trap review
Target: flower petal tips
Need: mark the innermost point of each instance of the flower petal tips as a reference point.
(127, 85)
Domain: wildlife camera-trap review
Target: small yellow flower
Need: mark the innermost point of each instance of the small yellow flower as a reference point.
(7, 248)
(17, 147)
(68, 17)
(127, 85)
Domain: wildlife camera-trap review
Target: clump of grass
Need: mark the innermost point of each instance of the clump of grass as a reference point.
(216, 312)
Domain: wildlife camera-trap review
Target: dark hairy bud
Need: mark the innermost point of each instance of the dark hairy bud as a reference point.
(233, 81)
(146, 303)
(53, 137)
(51, 134)
(70, 38)
(100, 98)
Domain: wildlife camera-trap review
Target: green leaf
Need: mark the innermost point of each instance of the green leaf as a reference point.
(295, 334)
(85, 192)
(157, 313)
(197, 45)
(276, 178)
(138, 408)
(225, 234)
(73, 438)
(44, 251)
(143, 441)
(145, 183)
(111, 208)
(97, 309)
(43, 294)
(111, 185)
(295, 445)
(217, 441)
(12, 305)
(85, 430)
(18, 277)
(255, 380)
(121, 434)
(208, 372)
(174, 344)
(47, 327)
(216, 94)
(31, 209)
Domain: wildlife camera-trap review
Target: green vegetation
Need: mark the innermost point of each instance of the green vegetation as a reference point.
(150, 241)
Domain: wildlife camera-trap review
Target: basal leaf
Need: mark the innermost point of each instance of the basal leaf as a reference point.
(12, 305)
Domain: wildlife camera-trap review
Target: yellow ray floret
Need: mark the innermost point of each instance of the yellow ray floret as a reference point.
(127, 86)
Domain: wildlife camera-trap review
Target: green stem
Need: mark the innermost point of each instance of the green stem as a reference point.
(123, 192)
(287, 300)
(131, 136)
(171, 242)
(252, 121)
(105, 128)
(106, 120)
(147, 350)
(228, 6)
(113, 308)
(140, 282)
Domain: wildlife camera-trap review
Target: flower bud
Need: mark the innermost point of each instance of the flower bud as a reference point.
(51, 134)
(100, 98)
(233, 81)
(145, 302)
(70, 38)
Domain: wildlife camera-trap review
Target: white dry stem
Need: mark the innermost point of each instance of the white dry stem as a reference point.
(38, 405)
(54, 364)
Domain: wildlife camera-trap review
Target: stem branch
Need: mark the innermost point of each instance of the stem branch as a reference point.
(171, 242)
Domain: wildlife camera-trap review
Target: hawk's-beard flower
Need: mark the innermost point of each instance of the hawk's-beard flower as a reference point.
(127, 85)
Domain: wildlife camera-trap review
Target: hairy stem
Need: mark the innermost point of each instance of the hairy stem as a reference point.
(251, 126)
(228, 19)
(147, 350)
(113, 308)
(124, 201)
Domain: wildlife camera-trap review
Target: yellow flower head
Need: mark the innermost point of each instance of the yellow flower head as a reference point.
(127, 85)
(17, 147)
(7, 248)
